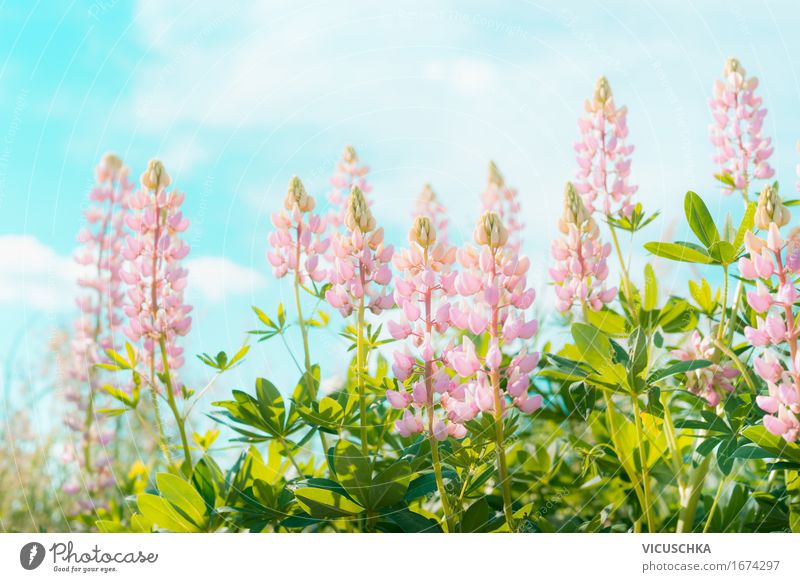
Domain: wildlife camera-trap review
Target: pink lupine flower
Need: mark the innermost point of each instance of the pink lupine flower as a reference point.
(711, 382)
(101, 302)
(359, 261)
(424, 287)
(772, 264)
(99, 322)
(604, 158)
(297, 241)
(504, 201)
(349, 173)
(428, 205)
(494, 286)
(580, 270)
(156, 280)
(742, 150)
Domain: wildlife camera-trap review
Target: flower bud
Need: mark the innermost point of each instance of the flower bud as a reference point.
(602, 91)
(110, 168)
(771, 209)
(575, 211)
(358, 216)
(495, 177)
(427, 196)
(350, 156)
(155, 177)
(733, 65)
(423, 232)
(490, 231)
(297, 198)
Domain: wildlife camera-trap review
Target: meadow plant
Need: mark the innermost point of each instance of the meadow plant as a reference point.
(637, 408)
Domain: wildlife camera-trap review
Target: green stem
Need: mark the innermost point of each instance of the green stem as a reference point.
(437, 471)
(179, 420)
(300, 319)
(626, 281)
(721, 330)
(362, 396)
(691, 496)
(162, 439)
(645, 477)
(672, 441)
(312, 389)
(500, 453)
(612, 427)
(715, 503)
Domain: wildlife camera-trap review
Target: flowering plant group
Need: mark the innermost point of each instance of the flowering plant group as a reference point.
(464, 409)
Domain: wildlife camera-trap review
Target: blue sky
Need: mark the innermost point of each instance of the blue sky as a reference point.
(236, 98)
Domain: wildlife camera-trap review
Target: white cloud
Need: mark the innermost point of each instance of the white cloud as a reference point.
(34, 275)
(215, 278)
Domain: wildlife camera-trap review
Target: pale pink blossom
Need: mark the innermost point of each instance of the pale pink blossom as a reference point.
(773, 265)
(580, 269)
(711, 382)
(429, 205)
(424, 288)
(99, 322)
(297, 241)
(503, 200)
(359, 262)
(742, 151)
(155, 278)
(349, 173)
(603, 156)
(494, 287)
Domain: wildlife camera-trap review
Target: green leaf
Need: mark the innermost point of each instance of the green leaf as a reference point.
(328, 413)
(748, 220)
(593, 345)
(608, 321)
(390, 485)
(677, 368)
(326, 504)
(184, 498)
(700, 220)
(270, 405)
(638, 353)
(476, 517)
(264, 318)
(723, 252)
(678, 252)
(163, 515)
(773, 444)
(352, 470)
(650, 288)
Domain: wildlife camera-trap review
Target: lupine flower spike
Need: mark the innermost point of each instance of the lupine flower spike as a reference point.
(360, 276)
(604, 157)
(504, 201)
(349, 173)
(423, 289)
(297, 244)
(156, 310)
(774, 264)
(580, 270)
(97, 327)
(494, 279)
(428, 205)
(742, 151)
